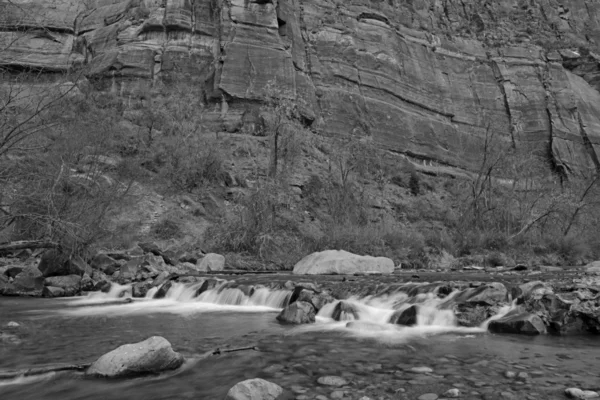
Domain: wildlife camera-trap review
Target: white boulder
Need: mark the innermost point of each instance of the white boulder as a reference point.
(153, 355)
(341, 262)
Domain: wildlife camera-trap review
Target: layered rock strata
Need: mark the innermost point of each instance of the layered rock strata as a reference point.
(433, 80)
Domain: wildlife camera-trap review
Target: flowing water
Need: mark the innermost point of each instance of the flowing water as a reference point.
(378, 360)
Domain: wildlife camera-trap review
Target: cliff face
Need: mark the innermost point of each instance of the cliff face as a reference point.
(426, 78)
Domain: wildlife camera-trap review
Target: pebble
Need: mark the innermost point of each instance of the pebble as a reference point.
(332, 381)
(428, 396)
(338, 394)
(13, 324)
(452, 393)
(522, 375)
(509, 374)
(421, 370)
(576, 393)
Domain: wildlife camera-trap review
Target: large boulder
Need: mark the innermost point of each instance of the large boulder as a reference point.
(593, 267)
(406, 317)
(298, 312)
(29, 282)
(342, 262)
(54, 263)
(151, 356)
(211, 262)
(105, 263)
(518, 322)
(254, 389)
(71, 284)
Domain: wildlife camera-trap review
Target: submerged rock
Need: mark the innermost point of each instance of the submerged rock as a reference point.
(254, 389)
(406, 317)
(151, 356)
(575, 393)
(518, 322)
(342, 262)
(299, 312)
(332, 381)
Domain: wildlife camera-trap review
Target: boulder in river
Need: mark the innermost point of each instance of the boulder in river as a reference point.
(345, 311)
(518, 322)
(593, 267)
(71, 284)
(211, 262)
(29, 282)
(299, 312)
(151, 356)
(53, 291)
(342, 262)
(254, 389)
(490, 294)
(472, 315)
(406, 317)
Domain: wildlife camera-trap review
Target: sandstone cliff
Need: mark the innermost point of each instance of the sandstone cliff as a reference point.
(425, 78)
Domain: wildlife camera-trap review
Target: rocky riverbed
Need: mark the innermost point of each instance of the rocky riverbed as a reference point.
(474, 333)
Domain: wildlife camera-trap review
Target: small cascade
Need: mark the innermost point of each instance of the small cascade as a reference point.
(117, 293)
(223, 293)
(151, 293)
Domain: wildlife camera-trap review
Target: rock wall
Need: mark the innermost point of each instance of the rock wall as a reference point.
(430, 79)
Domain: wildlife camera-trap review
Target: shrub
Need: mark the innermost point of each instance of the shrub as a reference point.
(167, 229)
(414, 184)
(189, 164)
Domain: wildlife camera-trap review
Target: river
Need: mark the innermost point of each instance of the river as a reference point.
(378, 360)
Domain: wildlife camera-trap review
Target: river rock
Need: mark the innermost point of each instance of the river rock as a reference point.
(452, 393)
(345, 311)
(87, 283)
(486, 294)
(53, 291)
(318, 300)
(211, 262)
(153, 355)
(163, 290)
(593, 267)
(518, 322)
(254, 389)
(343, 263)
(299, 312)
(54, 263)
(406, 317)
(71, 284)
(139, 289)
(29, 282)
(472, 315)
(336, 381)
(575, 393)
(104, 263)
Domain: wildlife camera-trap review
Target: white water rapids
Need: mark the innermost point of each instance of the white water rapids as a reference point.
(371, 317)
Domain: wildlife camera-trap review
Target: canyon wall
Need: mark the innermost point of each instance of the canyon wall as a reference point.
(430, 79)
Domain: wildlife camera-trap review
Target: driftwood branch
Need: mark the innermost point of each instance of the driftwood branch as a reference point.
(27, 244)
(43, 370)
